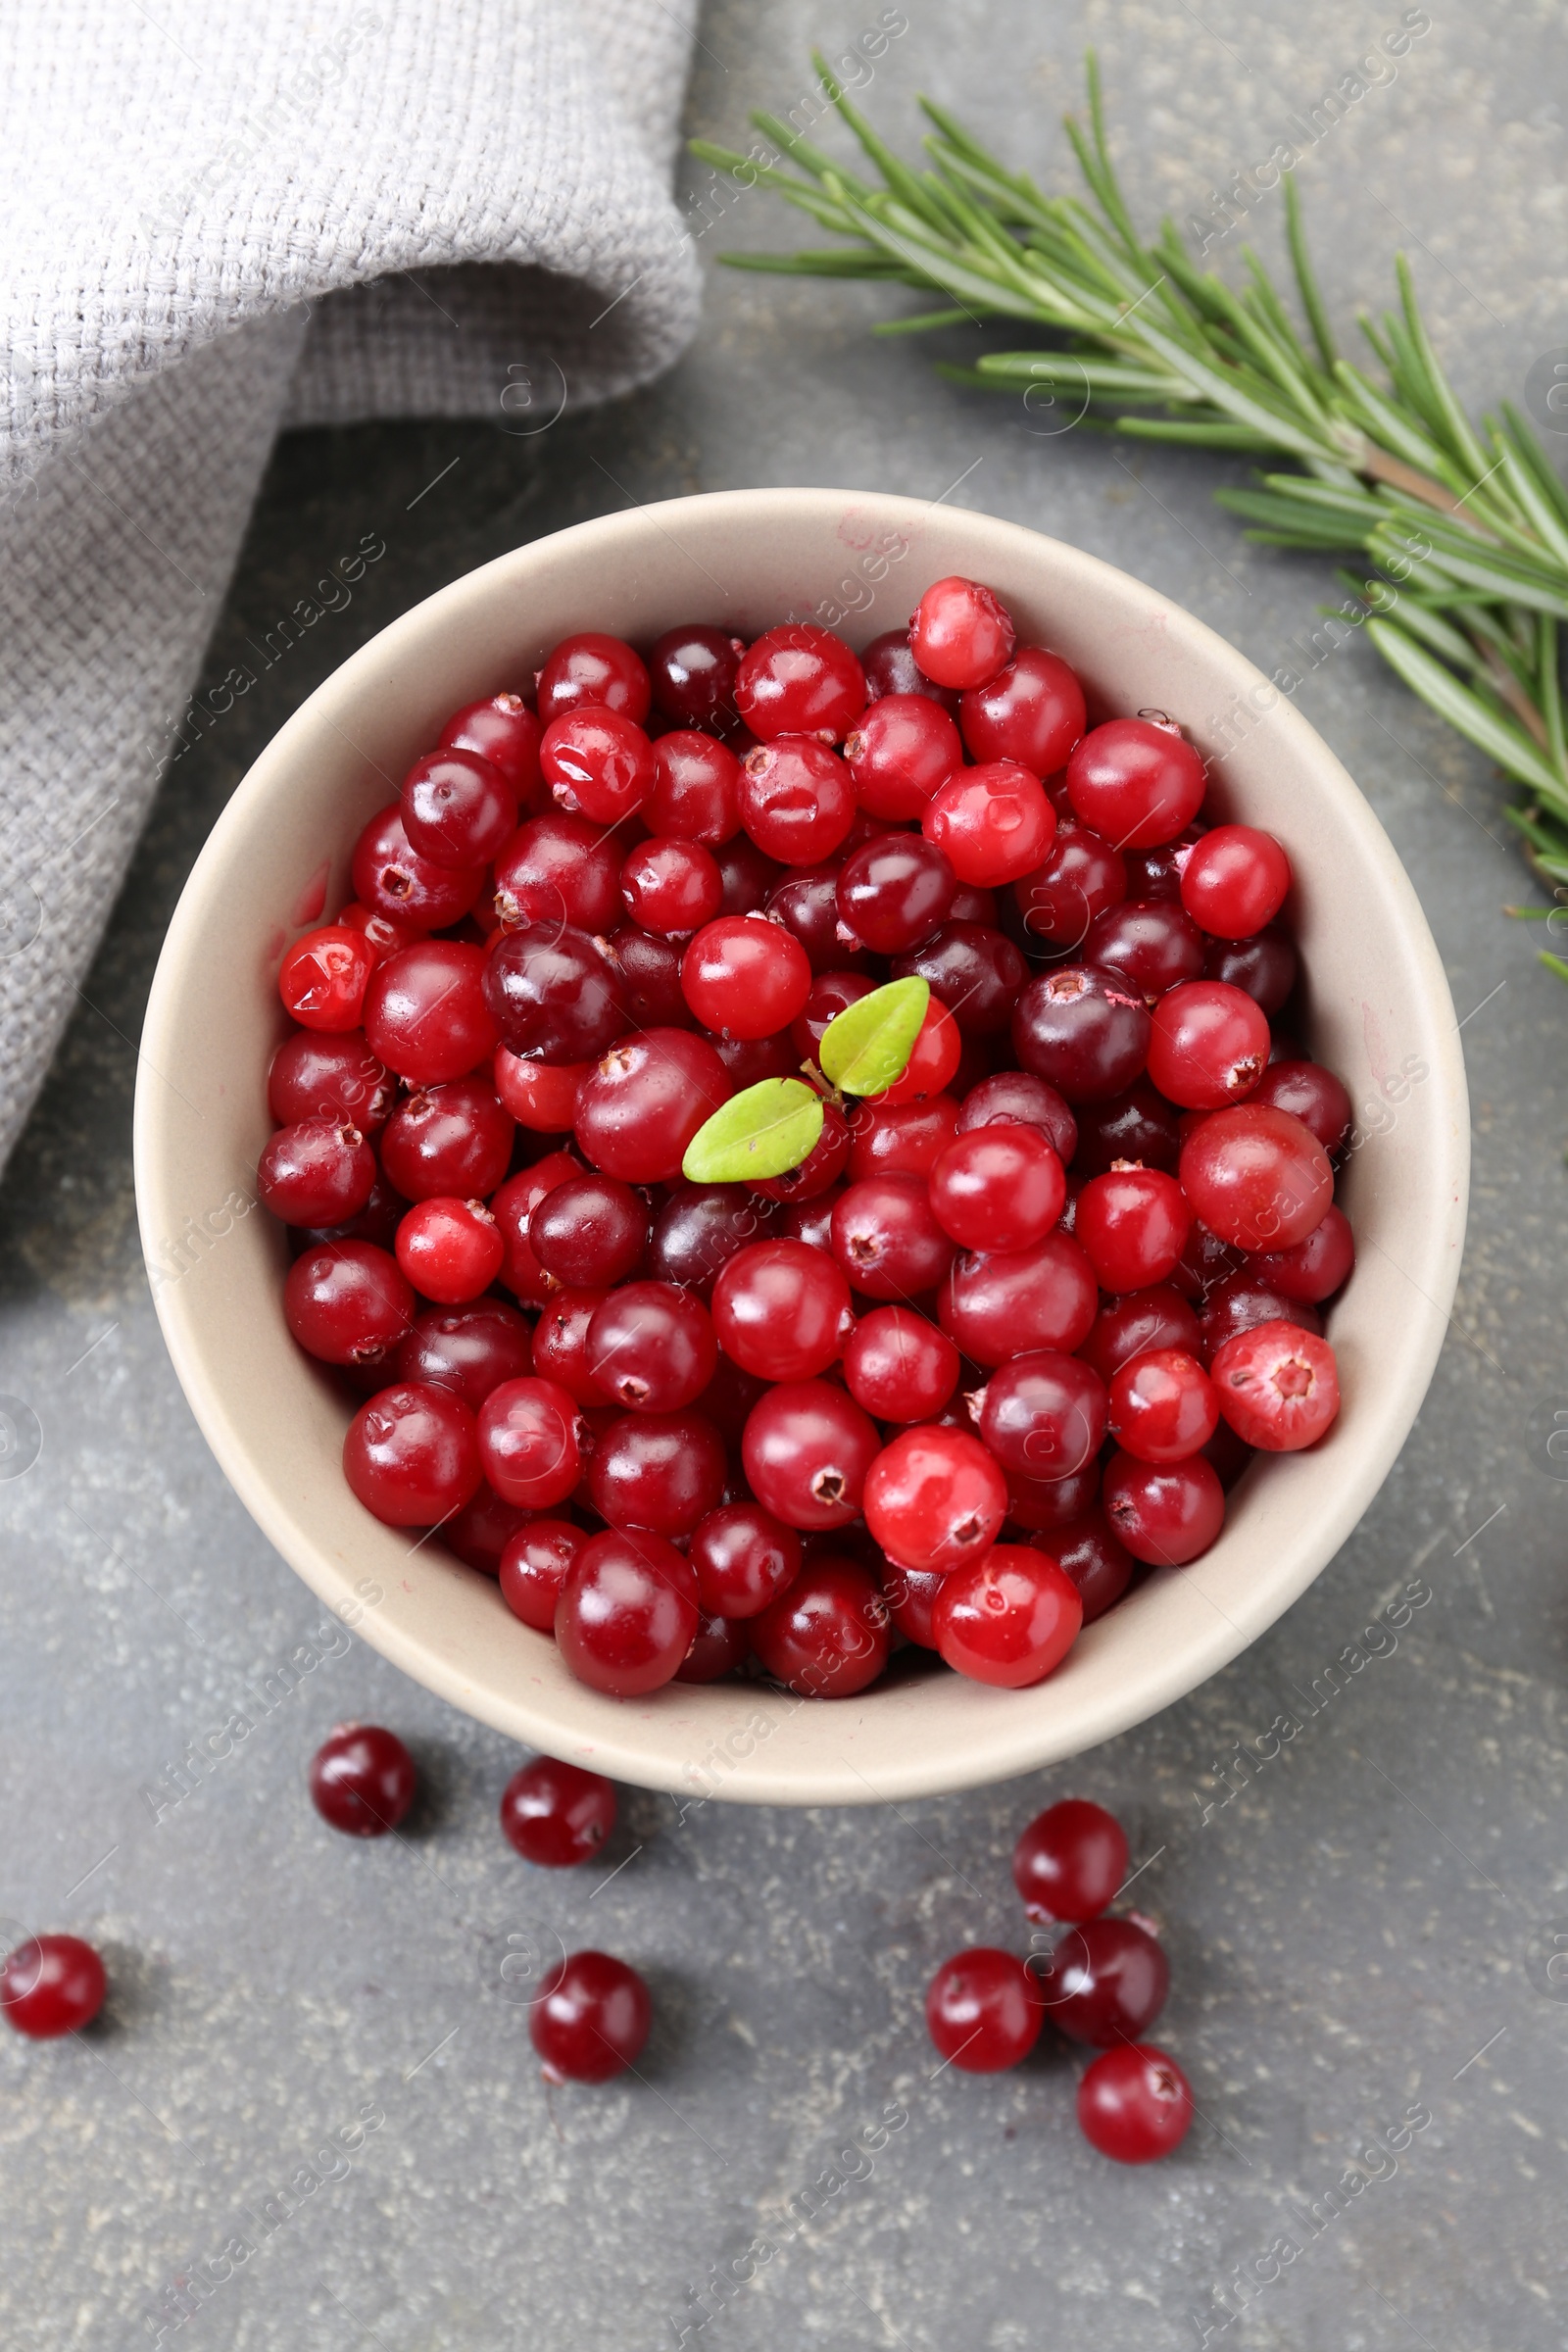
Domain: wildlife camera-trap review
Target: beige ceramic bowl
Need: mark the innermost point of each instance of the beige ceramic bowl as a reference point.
(1380, 1014)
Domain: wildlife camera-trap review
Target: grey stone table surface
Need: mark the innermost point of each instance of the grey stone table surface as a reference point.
(1359, 1929)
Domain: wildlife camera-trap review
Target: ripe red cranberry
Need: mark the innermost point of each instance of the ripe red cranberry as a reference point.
(800, 679)
(428, 1012)
(470, 1350)
(934, 1499)
(315, 1075)
(648, 970)
(977, 972)
(1135, 2104)
(1043, 1413)
(1152, 945)
(1098, 1561)
(961, 633)
(559, 869)
(796, 800)
(451, 1140)
(692, 670)
(746, 875)
(887, 1240)
(1162, 1406)
(1307, 1090)
(1031, 711)
(893, 893)
(661, 1471)
(651, 1346)
(933, 1059)
(903, 748)
(561, 1344)
(323, 976)
(317, 1172)
(591, 2019)
(901, 1138)
(1134, 1224)
(993, 823)
(513, 1207)
(552, 995)
(1165, 1513)
(627, 1612)
(531, 1442)
(458, 810)
(1080, 875)
(640, 1107)
(1013, 1098)
(911, 1595)
(1207, 1045)
(556, 1814)
(696, 790)
(997, 1306)
(745, 975)
(1278, 1386)
(391, 878)
(744, 1558)
(590, 1232)
(806, 903)
(1258, 1177)
(998, 1189)
(699, 1229)
(540, 1096)
(534, 1561)
(1228, 1454)
(504, 731)
(981, 2011)
(671, 887)
(362, 1779)
(1313, 1270)
(891, 667)
(451, 1250)
(1135, 1323)
(347, 1302)
(898, 1366)
(1043, 1505)
(1104, 1983)
(1070, 1862)
(719, 1646)
(826, 1634)
(782, 1310)
(807, 1449)
(597, 764)
(1263, 967)
(376, 1222)
(1009, 1618)
(52, 1985)
(1085, 1032)
(1235, 880)
(592, 669)
(1244, 1301)
(1138, 784)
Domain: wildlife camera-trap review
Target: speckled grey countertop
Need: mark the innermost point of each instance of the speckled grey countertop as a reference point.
(1363, 1928)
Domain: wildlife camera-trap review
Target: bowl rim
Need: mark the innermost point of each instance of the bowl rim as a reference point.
(1013, 1740)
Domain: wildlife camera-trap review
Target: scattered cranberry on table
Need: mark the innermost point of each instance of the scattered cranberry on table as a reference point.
(993, 1338)
(556, 1814)
(52, 1985)
(1135, 2104)
(591, 2019)
(362, 1779)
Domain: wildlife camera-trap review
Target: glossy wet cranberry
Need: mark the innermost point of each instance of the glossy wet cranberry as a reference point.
(597, 764)
(1136, 783)
(1263, 967)
(347, 1302)
(1085, 1032)
(553, 995)
(458, 810)
(1258, 1177)
(362, 1779)
(997, 1306)
(692, 670)
(901, 750)
(981, 2011)
(1162, 1406)
(807, 1449)
(428, 1012)
(534, 1561)
(504, 731)
(796, 800)
(744, 1558)
(934, 1059)
(901, 1138)
(746, 875)
(977, 974)
(556, 1814)
(1152, 945)
(1080, 876)
(1207, 1046)
(591, 2019)
(647, 968)
(513, 1207)
(961, 633)
(663, 1471)
(1043, 1413)
(1031, 711)
(592, 669)
(910, 1595)
(670, 886)
(1134, 1224)
(826, 1634)
(391, 878)
(1135, 2104)
(650, 1348)
(1100, 1564)
(935, 1498)
(1104, 1983)
(451, 1250)
(52, 1985)
(1243, 1299)
(998, 1189)
(559, 869)
(324, 975)
(698, 1231)
(451, 1140)
(641, 1105)
(898, 1366)
(531, 1442)
(745, 975)
(337, 1077)
(627, 1612)
(887, 1240)
(317, 1172)
(560, 1343)
(590, 1232)
(1165, 1513)
(891, 669)
(993, 823)
(1008, 1619)
(470, 1350)
(1041, 1505)
(1070, 1861)
(1309, 1093)
(1314, 1268)
(806, 903)
(719, 1646)
(411, 1455)
(1278, 1386)
(895, 892)
(1235, 880)
(800, 679)
(1013, 1098)
(696, 790)
(540, 1096)
(1136, 1322)
(782, 1310)
(1139, 1125)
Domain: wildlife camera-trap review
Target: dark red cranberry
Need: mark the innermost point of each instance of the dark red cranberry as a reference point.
(1104, 1983)
(648, 970)
(911, 1595)
(534, 1561)
(457, 810)
(1043, 1414)
(809, 1221)
(751, 1060)
(901, 1138)
(1154, 945)
(997, 1306)
(362, 1779)
(1315, 1268)
(590, 1232)
(1165, 1513)
(895, 893)
(593, 671)
(317, 1172)
(1098, 1561)
(692, 670)
(719, 1647)
(391, 878)
(1264, 967)
(699, 1229)
(1139, 1125)
(977, 974)
(1014, 1098)
(1084, 1031)
(470, 1350)
(316, 1075)
(1306, 1089)
(376, 1222)
(552, 994)
(1156, 873)
(727, 1401)
(591, 2019)
(1135, 2104)
(826, 1634)
(640, 1107)
(556, 1814)
(981, 2011)
(651, 1346)
(747, 874)
(451, 1141)
(891, 667)
(807, 1449)
(744, 1558)
(1044, 1505)
(806, 903)
(531, 1442)
(52, 1985)
(559, 869)
(1080, 877)
(887, 1240)
(504, 731)
(800, 679)
(1242, 1300)
(347, 1302)
(663, 1471)
(481, 1531)
(627, 1612)
(1135, 1323)
(428, 1012)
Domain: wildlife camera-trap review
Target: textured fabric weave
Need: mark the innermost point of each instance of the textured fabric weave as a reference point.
(221, 220)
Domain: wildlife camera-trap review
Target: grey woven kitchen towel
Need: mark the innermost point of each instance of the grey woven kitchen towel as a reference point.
(220, 220)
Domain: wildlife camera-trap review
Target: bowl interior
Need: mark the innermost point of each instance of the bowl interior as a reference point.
(276, 862)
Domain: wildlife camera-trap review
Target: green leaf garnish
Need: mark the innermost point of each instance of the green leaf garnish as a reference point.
(869, 1045)
(763, 1131)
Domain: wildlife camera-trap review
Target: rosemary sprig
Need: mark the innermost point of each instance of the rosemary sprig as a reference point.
(1466, 528)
